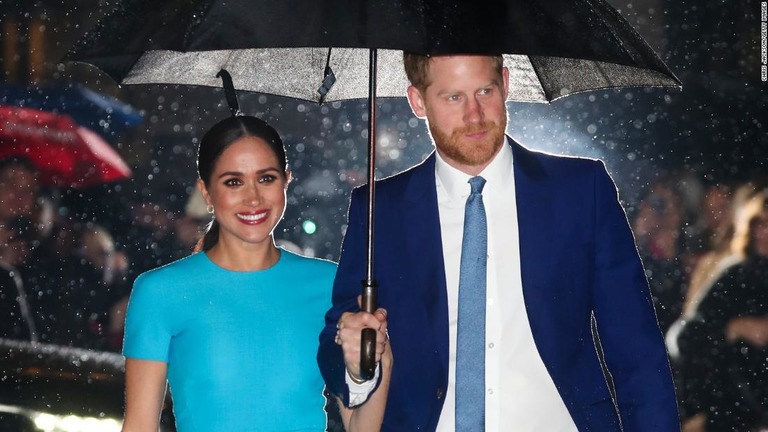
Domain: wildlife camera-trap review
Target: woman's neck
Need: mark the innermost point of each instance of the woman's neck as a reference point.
(246, 257)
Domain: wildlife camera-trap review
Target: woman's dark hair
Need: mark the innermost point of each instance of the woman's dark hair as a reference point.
(219, 138)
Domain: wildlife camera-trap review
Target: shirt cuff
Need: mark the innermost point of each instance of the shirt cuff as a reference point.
(358, 393)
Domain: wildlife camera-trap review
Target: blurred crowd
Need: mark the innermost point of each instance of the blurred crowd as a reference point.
(66, 281)
(704, 245)
(705, 250)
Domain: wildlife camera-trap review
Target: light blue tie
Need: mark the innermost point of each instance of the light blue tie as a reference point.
(470, 345)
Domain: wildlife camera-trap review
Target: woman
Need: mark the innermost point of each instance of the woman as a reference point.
(233, 328)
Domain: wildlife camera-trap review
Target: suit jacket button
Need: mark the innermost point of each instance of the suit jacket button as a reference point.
(439, 393)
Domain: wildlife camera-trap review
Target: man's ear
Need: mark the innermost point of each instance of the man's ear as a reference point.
(416, 101)
(505, 77)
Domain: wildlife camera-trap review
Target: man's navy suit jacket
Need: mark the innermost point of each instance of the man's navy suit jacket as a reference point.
(578, 258)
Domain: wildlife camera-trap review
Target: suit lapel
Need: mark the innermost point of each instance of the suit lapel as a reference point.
(538, 228)
(423, 224)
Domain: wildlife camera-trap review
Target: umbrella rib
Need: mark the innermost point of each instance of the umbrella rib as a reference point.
(547, 94)
(617, 19)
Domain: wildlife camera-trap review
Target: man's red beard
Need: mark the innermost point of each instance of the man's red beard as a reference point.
(470, 153)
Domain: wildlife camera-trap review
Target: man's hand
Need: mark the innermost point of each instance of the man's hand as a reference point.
(350, 327)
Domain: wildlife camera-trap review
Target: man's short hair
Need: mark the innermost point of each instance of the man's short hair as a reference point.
(417, 65)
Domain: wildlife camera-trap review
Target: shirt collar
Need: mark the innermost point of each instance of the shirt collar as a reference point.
(456, 184)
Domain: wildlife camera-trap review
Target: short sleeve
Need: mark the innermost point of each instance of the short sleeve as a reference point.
(147, 323)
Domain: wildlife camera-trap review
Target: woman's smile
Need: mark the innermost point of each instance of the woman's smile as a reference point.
(253, 218)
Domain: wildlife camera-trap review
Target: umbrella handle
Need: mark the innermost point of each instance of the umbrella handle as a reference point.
(368, 336)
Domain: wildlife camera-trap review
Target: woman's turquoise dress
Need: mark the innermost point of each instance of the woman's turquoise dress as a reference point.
(241, 347)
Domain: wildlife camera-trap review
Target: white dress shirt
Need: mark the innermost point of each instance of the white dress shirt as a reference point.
(520, 394)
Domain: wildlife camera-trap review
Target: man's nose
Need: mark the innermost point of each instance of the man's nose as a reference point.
(473, 111)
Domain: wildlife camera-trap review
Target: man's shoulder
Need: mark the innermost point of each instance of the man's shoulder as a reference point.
(527, 154)
(534, 161)
(398, 182)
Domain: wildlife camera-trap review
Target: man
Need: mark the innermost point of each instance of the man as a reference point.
(559, 252)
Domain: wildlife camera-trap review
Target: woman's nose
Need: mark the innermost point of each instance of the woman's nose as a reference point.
(253, 195)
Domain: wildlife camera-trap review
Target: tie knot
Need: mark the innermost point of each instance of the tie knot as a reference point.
(477, 183)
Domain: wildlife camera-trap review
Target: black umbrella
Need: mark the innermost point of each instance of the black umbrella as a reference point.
(317, 50)
(554, 48)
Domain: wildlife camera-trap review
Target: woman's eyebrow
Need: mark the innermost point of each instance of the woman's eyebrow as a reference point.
(238, 173)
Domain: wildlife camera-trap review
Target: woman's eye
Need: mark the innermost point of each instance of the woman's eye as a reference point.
(232, 182)
(268, 178)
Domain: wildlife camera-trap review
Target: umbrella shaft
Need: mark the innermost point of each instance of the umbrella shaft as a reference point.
(371, 159)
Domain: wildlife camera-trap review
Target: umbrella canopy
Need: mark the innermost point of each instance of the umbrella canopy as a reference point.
(66, 154)
(101, 113)
(553, 48)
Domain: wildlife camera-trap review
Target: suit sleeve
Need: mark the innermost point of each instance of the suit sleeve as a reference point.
(632, 342)
(346, 288)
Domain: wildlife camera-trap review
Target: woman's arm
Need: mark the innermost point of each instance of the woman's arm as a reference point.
(145, 382)
(370, 415)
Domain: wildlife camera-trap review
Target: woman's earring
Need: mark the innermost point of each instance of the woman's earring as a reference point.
(209, 208)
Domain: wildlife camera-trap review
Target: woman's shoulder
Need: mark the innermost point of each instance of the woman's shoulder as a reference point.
(183, 268)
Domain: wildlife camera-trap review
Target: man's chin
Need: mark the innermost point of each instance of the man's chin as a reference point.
(481, 153)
